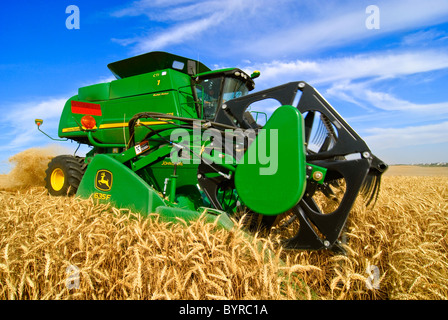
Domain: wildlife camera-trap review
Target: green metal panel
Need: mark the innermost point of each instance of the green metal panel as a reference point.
(165, 91)
(187, 173)
(108, 180)
(96, 92)
(119, 186)
(267, 191)
(117, 113)
(159, 81)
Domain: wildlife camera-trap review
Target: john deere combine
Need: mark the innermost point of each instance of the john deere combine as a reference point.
(172, 137)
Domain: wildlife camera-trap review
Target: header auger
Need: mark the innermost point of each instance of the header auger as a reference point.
(172, 137)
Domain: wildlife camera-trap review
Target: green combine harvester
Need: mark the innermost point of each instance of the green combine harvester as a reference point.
(174, 138)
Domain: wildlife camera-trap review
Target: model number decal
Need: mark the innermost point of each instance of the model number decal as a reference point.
(101, 196)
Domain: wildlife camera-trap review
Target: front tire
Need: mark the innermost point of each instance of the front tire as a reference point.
(63, 175)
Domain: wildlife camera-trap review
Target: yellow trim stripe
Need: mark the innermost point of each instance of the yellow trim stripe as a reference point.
(116, 125)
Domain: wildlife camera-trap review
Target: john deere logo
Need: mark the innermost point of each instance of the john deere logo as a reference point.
(103, 180)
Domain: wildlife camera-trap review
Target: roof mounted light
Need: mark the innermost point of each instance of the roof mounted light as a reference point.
(255, 74)
(38, 122)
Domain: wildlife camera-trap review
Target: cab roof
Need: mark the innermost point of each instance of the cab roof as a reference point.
(153, 61)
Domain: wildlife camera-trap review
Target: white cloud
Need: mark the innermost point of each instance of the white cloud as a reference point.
(375, 65)
(144, 7)
(184, 22)
(425, 38)
(411, 14)
(344, 25)
(399, 123)
(20, 131)
(362, 94)
(387, 101)
(190, 19)
(19, 127)
(389, 138)
(48, 107)
(175, 35)
(265, 29)
(355, 79)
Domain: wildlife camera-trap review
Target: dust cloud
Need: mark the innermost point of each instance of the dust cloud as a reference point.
(29, 167)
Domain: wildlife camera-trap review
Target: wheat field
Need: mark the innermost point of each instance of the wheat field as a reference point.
(67, 248)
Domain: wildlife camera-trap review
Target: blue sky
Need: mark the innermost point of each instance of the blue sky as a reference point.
(390, 83)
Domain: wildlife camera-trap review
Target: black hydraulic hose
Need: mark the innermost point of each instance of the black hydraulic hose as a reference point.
(160, 116)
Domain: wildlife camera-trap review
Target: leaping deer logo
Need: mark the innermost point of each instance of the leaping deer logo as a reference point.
(104, 180)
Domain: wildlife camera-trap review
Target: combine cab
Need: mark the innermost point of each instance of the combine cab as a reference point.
(170, 136)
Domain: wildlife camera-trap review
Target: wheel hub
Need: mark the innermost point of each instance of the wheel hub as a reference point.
(57, 179)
